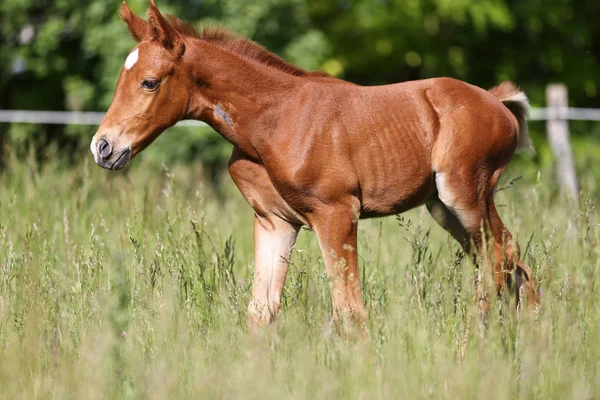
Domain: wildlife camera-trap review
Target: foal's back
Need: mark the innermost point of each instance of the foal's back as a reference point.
(384, 143)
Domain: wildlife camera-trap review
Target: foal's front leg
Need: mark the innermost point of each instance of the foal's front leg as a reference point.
(273, 241)
(336, 228)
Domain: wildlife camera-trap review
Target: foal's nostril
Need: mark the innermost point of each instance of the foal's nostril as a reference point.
(104, 148)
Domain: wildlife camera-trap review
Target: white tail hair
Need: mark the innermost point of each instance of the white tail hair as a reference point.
(516, 101)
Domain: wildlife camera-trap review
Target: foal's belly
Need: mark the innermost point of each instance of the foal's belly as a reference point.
(398, 198)
(394, 171)
(394, 183)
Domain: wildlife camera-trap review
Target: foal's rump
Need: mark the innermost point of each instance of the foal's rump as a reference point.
(477, 126)
(518, 104)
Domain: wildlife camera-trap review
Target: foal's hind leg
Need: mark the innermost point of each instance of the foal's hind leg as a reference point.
(461, 211)
(449, 221)
(507, 255)
(468, 196)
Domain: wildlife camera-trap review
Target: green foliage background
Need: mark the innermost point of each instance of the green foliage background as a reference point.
(66, 54)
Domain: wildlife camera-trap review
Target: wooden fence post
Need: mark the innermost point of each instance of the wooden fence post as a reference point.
(558, 134)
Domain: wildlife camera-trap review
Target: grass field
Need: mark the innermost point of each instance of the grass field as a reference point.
(135, 285)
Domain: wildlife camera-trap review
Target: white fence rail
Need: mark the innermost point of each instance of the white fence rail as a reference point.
(64, 118)
(565, 113)
(94, 118)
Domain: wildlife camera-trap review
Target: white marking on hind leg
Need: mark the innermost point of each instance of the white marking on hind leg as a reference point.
(444, 192)
(449, 198)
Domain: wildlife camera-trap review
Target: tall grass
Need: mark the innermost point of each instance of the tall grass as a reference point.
(135, 285)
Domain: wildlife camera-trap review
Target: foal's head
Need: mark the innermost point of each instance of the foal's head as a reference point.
(152, 92)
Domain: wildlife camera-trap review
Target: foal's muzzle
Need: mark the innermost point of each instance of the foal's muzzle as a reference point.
(107, 157)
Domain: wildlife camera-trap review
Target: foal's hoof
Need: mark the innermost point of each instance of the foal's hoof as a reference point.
(527, 296)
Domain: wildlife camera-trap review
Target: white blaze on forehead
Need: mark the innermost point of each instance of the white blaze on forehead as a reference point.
(132, 59)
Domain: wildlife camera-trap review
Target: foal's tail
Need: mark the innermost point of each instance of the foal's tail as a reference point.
(516, 101)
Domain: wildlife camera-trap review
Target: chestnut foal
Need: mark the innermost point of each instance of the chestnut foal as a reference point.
(318, 151)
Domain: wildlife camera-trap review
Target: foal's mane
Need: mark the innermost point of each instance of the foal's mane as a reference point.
(243, 47)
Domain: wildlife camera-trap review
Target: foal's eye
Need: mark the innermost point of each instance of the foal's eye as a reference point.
(150, 84)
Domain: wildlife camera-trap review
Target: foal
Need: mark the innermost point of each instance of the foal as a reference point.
(318, 151)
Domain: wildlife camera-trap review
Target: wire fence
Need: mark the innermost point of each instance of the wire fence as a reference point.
(64, 118)
(556, 126)
(95, 118)
(564, 113)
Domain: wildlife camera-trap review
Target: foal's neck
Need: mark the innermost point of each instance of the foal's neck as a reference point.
(239, 98)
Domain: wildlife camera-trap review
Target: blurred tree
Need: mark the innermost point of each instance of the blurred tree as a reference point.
(66, 54)
(532, 42)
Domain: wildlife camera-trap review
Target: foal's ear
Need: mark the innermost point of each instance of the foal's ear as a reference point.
(164, 32)
(138, 28)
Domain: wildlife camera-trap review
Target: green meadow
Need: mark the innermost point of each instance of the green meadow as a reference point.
(134, 285)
